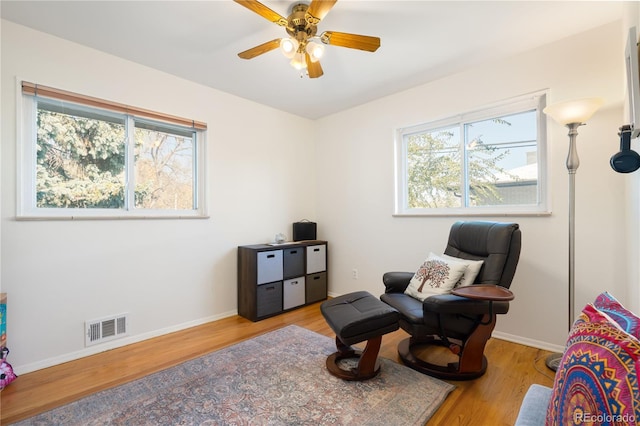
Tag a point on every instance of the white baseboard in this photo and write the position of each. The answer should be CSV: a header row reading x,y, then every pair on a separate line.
x,y
528,342
50,362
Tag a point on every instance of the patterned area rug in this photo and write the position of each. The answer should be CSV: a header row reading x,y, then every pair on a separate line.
x,y
278,378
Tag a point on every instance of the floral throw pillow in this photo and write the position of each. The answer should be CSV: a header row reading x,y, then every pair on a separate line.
x,y
597,379
436,275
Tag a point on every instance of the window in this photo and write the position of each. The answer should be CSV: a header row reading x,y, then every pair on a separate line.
x,y
482,163
88,158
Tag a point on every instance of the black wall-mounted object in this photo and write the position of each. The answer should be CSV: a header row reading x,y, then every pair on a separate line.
x,y
627,160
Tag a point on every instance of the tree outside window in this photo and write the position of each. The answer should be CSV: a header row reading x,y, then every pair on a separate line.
x,y
482,165
82,162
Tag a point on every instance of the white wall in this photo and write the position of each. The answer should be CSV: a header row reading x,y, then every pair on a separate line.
x,y
167,274
356,184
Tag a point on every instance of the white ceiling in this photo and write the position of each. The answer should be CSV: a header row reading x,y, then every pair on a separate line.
x,y
420,41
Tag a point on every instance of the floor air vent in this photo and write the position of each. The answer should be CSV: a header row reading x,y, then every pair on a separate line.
x,y
105,329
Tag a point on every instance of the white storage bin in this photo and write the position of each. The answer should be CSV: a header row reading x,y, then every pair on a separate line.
x,y
293,293
316,259
269,266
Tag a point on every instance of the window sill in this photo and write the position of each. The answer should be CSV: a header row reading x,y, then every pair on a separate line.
x,y
470,213
114,217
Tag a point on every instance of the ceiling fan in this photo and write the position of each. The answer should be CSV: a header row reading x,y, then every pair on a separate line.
x,y
304,47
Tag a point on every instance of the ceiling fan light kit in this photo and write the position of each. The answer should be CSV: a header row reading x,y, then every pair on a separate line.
x,y
315,51
289,47
299,61
303,47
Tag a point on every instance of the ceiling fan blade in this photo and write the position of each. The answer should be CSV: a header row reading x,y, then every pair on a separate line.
x,y
313,68
259,50
318,9
264,11
352,41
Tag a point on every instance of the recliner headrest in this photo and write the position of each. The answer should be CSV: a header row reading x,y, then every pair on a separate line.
x,y
497,243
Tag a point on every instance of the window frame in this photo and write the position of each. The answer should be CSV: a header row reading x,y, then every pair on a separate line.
x,y
516,105
26,133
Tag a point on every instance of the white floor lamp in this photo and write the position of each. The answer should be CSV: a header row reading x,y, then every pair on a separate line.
x,y
572,114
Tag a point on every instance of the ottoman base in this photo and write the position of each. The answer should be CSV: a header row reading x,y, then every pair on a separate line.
x,y
358,317
367,367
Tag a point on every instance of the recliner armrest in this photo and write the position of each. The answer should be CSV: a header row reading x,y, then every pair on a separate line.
x,y
452,304
396,282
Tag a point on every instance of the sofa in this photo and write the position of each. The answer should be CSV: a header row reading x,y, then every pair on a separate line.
x,y
596,381
533,410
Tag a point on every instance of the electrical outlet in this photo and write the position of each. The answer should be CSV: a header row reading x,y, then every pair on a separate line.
x,y
354,274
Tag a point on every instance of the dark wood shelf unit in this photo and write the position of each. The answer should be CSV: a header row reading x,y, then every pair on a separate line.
x,y
273,279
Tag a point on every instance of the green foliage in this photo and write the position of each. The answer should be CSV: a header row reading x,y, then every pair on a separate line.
x,y
435,171
80,162
103,192
432,164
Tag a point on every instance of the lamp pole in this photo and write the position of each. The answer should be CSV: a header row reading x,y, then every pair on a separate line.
x,y
572,114
572,165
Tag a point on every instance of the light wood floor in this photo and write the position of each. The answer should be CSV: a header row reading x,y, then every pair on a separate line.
x,y
493,399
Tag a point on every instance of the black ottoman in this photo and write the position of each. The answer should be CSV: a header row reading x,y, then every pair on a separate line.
x,y
356,317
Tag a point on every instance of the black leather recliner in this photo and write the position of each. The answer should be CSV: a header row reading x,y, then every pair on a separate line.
x,y
462,324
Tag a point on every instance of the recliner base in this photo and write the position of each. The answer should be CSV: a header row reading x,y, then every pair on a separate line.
x,y
451,371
